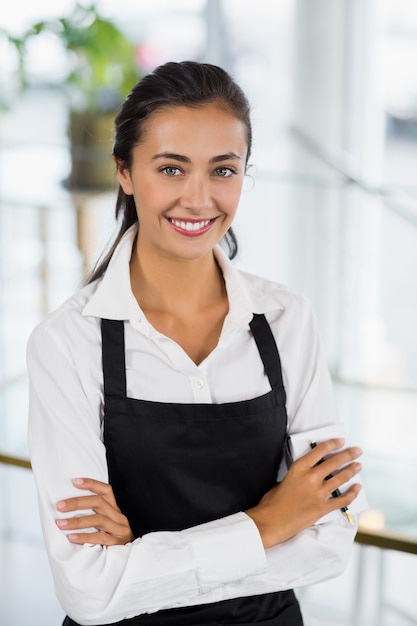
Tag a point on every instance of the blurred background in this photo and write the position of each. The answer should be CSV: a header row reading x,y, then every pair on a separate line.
x,y
329,207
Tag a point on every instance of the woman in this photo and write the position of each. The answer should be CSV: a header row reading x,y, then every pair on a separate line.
x,y
158,407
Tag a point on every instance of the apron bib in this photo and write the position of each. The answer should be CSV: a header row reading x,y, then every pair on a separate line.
x,y
162,457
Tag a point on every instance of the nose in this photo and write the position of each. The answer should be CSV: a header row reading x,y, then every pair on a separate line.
x,y
196,194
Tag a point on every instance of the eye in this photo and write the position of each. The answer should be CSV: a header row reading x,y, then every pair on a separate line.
x,y
224,172
171,170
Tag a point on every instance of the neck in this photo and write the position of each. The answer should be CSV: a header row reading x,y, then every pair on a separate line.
x,y
174,285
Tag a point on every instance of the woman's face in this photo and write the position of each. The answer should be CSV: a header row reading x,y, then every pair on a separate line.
x,y
186,179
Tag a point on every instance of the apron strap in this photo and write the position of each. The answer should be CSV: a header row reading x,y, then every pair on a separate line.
x,y
113,353
268,350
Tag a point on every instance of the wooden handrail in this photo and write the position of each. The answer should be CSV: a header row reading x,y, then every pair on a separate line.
x,y
387,540
14,460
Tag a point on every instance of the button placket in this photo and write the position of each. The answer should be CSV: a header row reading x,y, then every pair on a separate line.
x,y
200,388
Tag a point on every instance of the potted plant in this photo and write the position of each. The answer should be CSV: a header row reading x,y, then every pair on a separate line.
x,y
101,71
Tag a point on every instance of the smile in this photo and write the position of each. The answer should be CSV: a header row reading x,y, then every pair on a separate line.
x,y
191,228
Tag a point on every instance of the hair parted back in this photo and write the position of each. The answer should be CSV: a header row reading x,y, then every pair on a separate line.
x,y
186,83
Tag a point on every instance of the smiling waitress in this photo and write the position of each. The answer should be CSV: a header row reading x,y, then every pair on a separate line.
x,y
158,404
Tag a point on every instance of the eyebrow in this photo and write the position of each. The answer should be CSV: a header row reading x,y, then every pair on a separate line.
x,y
229,156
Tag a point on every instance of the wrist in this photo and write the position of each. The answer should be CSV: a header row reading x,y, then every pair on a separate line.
x,y
264,529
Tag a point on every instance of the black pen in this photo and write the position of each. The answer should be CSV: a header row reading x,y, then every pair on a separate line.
x,y
336,493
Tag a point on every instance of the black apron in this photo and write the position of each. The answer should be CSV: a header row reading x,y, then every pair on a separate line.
x,y
173,466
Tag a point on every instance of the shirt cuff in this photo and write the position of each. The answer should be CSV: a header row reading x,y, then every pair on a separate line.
x,y
226,550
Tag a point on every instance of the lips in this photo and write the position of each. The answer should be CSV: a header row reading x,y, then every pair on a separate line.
x,y
191,227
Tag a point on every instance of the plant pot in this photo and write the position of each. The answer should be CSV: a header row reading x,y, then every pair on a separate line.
x,y
91,136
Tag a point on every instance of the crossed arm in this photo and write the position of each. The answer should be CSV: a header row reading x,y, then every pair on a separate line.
x,y
303,496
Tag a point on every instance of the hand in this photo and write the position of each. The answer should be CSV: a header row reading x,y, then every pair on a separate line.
x,y
112,526
304,495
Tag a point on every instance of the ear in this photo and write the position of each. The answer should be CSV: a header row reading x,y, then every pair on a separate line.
x,y
123,176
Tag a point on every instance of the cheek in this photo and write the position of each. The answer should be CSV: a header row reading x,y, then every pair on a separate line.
x,y
152,199
151,202
144,191
233,198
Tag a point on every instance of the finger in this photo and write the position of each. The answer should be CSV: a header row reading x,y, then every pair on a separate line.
x,y
95,503
97,487
345,500
336,461
322,450
100,522
98,538
342,477
81,503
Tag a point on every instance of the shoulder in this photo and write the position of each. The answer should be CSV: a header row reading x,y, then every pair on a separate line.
x,y
268,296
67,327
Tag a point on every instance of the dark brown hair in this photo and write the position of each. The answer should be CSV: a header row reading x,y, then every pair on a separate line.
x,y
188,84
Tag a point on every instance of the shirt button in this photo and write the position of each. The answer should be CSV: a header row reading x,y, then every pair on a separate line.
x,y
198,383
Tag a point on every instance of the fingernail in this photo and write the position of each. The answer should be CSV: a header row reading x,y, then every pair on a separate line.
x,y
62,522
78,481
73,537
61,505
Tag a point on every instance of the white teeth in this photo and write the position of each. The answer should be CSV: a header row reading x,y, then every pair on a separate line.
x,y
190,226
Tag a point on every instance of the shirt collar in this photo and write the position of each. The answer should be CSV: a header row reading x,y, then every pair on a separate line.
x,y
113,297
248,294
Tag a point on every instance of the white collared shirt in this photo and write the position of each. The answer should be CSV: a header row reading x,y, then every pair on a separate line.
x,y
210,562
